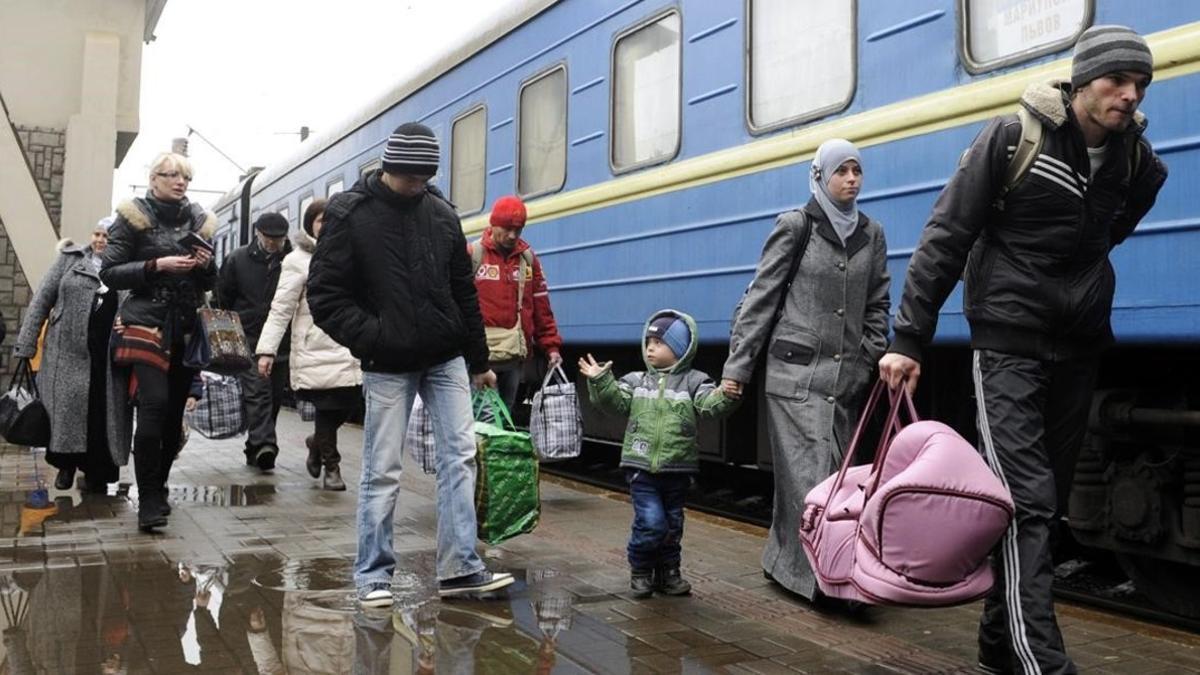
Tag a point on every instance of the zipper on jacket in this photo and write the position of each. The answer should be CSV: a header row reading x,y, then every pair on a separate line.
x,y
656,457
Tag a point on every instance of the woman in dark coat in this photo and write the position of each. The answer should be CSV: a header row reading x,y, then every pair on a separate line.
x,y
78,312
822,333
166,279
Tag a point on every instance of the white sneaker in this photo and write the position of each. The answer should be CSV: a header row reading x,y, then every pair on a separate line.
x,y
380,597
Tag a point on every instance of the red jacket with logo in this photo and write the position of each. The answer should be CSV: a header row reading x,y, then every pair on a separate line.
x,y
496,283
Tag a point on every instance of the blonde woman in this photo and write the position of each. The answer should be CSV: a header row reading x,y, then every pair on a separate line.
x,y
152,254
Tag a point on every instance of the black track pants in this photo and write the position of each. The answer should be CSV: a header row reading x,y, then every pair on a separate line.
x,y
1032,419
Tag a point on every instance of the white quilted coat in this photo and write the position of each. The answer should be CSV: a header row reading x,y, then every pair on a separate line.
x,y
317,362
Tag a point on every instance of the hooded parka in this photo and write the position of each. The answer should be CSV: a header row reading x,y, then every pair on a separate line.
x,y
663,407
317,362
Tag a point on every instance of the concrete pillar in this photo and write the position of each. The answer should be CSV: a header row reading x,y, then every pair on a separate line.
x,y
92,139
22,209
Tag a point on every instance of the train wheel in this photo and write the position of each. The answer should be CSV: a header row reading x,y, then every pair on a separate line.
x,y
1169,585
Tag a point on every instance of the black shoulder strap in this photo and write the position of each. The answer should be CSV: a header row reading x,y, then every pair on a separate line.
x,y
803,235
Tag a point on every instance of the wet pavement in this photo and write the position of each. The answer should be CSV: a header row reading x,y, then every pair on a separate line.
x,y
253,576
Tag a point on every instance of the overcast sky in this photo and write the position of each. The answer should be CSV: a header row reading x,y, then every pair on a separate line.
x,y
248,73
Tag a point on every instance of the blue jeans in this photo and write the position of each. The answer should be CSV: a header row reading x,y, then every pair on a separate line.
x,y
389,399
657,533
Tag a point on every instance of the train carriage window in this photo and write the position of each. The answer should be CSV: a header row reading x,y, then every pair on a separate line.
x,y
996,33
542,133
468,139
646,93
801,60
286,213
370,166
334,187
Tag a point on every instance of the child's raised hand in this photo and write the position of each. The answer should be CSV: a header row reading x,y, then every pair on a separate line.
x,y
590,368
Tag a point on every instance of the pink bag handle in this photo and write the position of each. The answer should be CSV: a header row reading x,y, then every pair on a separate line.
x,y
890,429
901,399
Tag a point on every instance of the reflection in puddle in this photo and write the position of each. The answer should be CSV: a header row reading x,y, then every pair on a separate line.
x,y
290,617
223,495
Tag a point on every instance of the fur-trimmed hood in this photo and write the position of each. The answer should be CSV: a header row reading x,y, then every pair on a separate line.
x,y
136,212
1049,101
302,241
68,245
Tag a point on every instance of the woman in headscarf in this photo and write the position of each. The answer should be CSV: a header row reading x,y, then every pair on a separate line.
x,y
156,251
818,311
322,371
77,310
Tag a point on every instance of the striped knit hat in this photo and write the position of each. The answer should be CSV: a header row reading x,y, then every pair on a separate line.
x,y
1107,49
413,149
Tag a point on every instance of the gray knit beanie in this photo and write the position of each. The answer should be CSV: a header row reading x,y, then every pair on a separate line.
x,y
1107,49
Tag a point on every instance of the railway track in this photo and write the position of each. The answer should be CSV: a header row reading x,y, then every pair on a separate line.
x,y
1084,576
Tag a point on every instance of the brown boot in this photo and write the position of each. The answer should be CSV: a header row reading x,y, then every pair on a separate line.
x,y
333,480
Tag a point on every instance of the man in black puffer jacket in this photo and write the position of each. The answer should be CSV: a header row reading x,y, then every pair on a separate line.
x,y
1038,297
247,285
392,281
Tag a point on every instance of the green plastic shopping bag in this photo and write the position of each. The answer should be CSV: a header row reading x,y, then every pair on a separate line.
x,y
507,501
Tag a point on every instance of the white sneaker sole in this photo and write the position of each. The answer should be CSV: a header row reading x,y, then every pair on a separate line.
x,y
373,600
499,580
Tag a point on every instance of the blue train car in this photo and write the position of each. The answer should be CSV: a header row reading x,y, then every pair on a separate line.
x,y
655,142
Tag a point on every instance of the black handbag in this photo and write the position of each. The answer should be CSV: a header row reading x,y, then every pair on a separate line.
x,y
23,417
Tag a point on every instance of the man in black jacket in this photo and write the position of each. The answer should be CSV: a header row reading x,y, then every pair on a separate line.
x,y
247,286
392,281
1038,297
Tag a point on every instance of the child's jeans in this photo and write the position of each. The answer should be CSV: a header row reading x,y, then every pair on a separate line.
x,y
657,518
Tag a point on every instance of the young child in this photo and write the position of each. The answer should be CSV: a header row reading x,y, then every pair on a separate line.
x,y
660,453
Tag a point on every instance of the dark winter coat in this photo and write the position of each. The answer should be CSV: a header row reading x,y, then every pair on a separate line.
x,y
65,300
247,283
392,280
1038,281
138,236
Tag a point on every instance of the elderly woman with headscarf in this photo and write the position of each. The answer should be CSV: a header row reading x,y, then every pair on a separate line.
x,y
77,310
159,251
818,311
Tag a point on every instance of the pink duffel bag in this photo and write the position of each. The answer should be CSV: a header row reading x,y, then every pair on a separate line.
x,y
912,528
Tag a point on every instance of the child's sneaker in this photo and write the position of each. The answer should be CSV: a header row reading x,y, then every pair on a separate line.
x,y
642,583
670,582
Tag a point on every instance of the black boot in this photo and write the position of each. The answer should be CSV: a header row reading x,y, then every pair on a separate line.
x,y
642,583
65,479
669,581
147,467
313,462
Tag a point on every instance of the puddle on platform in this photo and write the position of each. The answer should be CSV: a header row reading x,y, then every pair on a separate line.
x,y
280,617
223,495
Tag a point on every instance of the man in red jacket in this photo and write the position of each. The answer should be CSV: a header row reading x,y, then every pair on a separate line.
x,y
501,258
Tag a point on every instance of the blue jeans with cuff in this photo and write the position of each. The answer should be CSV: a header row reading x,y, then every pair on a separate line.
x,y
446,391
657,533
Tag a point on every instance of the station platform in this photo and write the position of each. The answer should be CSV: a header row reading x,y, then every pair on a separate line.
x,y
253,576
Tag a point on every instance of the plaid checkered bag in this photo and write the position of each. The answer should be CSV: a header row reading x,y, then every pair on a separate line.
x,y
218,414
307,410
555,423
419,437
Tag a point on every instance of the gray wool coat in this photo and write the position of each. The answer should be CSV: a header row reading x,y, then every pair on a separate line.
x,y
65,298
821,356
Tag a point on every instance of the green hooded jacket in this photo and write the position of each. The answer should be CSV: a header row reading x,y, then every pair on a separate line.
x,y
662,406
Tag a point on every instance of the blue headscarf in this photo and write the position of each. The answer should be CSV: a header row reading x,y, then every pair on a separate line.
x,y
832,154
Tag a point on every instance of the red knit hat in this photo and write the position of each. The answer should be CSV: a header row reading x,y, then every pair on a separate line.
x,y
508,211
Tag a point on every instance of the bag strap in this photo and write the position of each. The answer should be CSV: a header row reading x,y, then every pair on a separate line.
x,y
1028,147
550,376
805,234
890,429
521,287
901,400
490,398
23,377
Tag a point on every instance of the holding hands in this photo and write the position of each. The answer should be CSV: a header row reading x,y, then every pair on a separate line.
x,y
731,388
591,369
